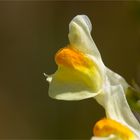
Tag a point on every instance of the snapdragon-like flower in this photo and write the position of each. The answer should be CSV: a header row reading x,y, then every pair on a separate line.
x,y
82,74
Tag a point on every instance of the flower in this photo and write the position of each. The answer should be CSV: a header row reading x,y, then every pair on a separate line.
x,y
82,74
112,129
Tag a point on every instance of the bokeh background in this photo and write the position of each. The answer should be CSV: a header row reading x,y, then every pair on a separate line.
x,y
30,35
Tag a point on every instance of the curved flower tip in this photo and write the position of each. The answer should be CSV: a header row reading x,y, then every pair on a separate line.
x,y
48,77
80,35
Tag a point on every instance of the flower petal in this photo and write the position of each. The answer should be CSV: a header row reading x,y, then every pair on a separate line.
x,y
116,79
79,35
117,108
111,137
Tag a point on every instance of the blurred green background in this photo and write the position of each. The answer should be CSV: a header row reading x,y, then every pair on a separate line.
x,y
30,34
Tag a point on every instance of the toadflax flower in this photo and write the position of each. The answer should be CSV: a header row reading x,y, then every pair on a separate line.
x,y
82,74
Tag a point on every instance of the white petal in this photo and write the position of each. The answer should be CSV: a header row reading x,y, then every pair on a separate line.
x,y
111,137
118,109
79,35
116,79
73,85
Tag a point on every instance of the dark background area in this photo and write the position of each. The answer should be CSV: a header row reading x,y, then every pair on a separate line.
x,y
30,35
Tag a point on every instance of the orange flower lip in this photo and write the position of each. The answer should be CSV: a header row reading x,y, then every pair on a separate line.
x,y
72,58
106,127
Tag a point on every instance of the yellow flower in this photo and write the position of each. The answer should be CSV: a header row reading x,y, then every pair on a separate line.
x,y
82,74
